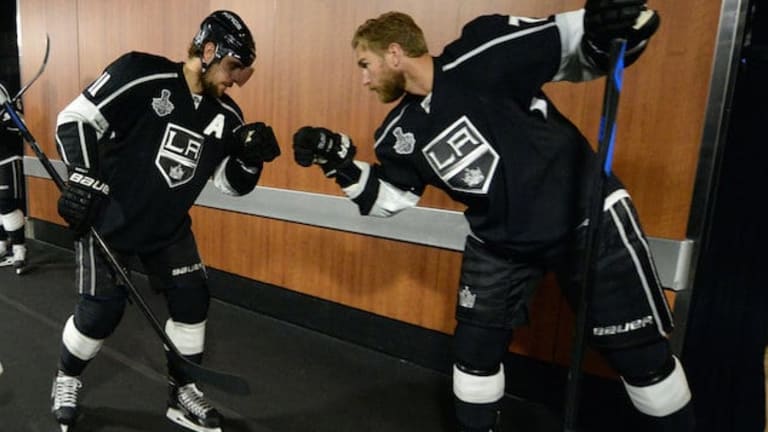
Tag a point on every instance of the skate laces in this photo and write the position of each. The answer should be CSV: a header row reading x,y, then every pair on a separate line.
x,y
65,389
192,399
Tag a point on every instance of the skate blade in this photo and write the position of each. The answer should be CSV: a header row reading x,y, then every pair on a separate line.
x,y
178,417
7,261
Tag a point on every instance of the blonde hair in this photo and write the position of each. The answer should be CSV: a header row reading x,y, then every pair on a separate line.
x,y
376,34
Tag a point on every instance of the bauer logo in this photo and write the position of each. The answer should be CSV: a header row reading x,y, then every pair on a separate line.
x,y
178,155
623,328
462,157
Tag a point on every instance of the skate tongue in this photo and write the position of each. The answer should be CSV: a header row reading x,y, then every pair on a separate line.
x,y
64,428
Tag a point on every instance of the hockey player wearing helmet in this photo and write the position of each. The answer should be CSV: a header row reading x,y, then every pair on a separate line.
x,y
475,123
13,249
140,143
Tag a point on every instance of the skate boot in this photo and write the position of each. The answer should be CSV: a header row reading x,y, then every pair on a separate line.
x,y
64,399
188,408
19,258
6,258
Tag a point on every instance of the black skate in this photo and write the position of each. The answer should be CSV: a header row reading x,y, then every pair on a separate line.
x,y
188,408
64,399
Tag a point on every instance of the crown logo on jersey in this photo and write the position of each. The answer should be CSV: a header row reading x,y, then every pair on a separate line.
x,y
466,298
473,177
176,173
163,105
404,142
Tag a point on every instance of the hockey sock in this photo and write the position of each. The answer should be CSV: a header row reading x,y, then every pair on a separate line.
x,y
478,397
77,349
13,224
189,339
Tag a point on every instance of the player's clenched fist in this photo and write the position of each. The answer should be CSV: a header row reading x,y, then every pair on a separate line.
x,y
323,147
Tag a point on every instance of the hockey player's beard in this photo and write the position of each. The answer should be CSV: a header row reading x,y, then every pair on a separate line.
x,y
210,88
392,86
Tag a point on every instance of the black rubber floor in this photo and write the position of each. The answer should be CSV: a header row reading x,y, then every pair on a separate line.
x,y
301,380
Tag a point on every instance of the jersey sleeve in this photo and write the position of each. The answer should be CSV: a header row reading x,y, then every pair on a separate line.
x,y
378,194
518,55
231,176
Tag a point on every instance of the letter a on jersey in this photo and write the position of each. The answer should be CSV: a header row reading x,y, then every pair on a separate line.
x,y
178,155
462,157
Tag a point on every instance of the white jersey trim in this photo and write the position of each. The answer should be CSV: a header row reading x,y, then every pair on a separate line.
x,y
622,230
220,179
354,191
493,42
230,108
392,200
574,65
10,159
134,83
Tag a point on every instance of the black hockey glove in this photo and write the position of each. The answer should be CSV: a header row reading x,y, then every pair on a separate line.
x,y
334,152
259,144
81,198
605,20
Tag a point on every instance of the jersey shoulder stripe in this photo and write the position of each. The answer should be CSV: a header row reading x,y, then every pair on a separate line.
x,y
514,33
128,71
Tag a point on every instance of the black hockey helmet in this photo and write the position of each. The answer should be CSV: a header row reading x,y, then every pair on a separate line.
x,y
230,34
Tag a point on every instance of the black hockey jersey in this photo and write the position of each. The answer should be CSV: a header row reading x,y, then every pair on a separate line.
x,y
489,137
138,129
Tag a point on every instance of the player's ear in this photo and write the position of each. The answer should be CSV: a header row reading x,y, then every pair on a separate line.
x,y
209,52
394,54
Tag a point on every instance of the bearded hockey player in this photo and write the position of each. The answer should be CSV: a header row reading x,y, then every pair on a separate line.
x,y
140,143
13,249
475,123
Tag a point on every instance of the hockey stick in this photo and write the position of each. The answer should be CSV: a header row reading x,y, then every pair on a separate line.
x,y
231,383
605,146
39,71
20,93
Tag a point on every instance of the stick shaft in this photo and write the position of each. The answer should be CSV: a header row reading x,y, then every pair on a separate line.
x,y
606,141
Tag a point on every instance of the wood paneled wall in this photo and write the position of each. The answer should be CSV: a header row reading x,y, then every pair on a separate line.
x,y
306,74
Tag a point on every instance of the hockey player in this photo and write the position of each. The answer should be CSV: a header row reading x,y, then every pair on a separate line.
x,y
475,123
13,249
140,143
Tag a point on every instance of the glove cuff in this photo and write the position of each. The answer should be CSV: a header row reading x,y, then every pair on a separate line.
x,y
80,178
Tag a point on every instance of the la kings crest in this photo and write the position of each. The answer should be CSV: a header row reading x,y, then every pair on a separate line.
x,y
462,157
179,154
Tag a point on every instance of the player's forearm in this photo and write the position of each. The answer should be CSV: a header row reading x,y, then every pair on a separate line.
x,y
377,197
78,129
232,178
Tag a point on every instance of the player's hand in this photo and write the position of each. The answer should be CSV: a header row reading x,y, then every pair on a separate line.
x,y
323,147
605,20
258,144
81,198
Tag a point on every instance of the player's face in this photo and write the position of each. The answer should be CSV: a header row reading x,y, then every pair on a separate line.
x,y
378,76
221,75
